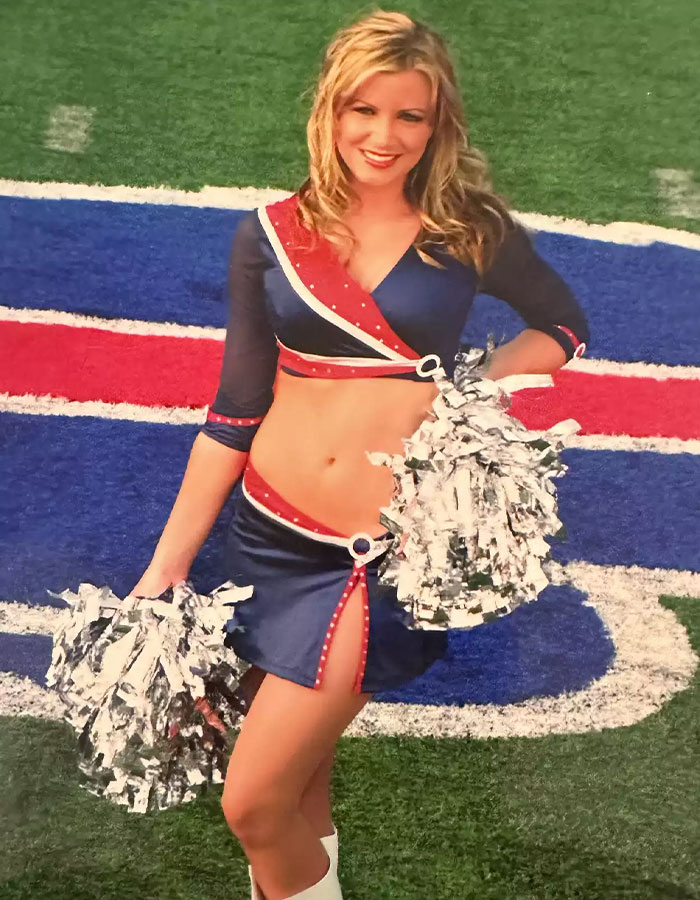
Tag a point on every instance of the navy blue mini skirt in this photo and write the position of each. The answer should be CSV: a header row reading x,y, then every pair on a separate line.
x,y
302,573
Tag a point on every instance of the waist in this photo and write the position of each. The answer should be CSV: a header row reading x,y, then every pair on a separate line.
x,y
312,444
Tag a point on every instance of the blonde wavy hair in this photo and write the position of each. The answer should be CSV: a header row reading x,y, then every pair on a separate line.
x,y
449,187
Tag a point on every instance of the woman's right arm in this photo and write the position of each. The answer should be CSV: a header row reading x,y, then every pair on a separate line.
x,y
244,395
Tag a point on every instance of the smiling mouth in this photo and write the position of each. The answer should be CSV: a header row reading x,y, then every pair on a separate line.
x,y
379,157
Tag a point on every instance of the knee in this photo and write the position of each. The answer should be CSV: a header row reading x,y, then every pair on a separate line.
x,y
254,819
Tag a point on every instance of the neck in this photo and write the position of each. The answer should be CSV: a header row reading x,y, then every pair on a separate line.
x,y
383,201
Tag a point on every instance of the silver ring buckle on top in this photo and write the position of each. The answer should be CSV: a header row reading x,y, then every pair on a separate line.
x,y
431,372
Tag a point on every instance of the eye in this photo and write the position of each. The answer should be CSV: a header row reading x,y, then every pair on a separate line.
x,y
411,117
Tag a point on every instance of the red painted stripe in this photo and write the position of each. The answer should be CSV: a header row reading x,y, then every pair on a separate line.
x,y
614,404
94,364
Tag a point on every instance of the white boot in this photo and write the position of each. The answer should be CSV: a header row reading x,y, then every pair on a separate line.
x,y
329,841
328,888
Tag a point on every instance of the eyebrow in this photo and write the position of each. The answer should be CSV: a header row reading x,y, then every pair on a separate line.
x,y
408,109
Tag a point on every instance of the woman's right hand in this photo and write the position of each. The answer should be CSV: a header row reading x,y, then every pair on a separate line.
x,y
155,581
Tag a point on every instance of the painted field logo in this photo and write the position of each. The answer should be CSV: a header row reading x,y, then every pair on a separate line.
x,y
107,374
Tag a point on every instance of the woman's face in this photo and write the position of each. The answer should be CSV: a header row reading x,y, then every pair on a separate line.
x,y
389,114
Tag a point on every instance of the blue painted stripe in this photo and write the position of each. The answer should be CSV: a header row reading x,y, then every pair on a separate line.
x,y
630,508
168,264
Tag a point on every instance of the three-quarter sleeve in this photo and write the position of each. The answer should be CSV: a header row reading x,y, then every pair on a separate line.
x,y
250,356
530,285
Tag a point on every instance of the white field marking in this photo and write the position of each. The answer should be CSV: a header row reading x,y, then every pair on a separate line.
x,y
251,197
633,444
630,369
22,618
173,329
654,660
69,128
679,192
119,326
21,696
46,405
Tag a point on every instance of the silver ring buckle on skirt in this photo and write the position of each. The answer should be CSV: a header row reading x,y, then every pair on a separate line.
x,y
376,546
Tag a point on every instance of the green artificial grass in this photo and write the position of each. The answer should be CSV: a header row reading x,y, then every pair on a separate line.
x,y
600,816
574,103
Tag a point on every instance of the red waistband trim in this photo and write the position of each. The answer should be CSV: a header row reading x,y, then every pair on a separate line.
x,y
268,497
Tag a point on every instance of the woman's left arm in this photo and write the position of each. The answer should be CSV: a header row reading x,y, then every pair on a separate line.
x,y
557,327
531,351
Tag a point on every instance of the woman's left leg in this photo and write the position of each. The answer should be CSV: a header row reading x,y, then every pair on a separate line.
x,y
315,801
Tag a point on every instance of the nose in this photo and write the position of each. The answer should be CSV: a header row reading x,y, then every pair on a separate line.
x,y
383,134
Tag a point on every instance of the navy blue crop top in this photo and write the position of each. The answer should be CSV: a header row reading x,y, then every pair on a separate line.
x,y
301,311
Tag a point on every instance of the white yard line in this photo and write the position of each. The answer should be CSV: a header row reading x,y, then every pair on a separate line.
x,y
68,130
46,405
250,197
119,326
680,193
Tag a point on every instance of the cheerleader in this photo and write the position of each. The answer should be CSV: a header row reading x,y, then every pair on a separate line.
x,y
348,300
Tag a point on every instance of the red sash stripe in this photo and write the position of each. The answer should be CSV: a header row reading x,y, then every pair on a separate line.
x,y
329,283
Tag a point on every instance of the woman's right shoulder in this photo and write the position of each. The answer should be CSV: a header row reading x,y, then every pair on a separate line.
x,y
248,230
252,236
249,241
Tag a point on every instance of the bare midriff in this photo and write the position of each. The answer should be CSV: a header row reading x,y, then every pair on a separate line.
x,y
311,446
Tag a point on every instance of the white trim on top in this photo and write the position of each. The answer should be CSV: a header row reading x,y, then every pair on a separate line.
x,y
349,362
315,304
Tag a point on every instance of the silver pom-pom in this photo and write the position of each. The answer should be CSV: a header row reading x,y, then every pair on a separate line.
x,y
149,690
473,500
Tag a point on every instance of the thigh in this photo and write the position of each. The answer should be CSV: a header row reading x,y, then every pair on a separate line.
x,y
290,728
